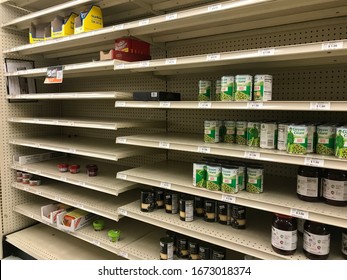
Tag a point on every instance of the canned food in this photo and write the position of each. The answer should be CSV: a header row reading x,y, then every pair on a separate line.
x,y
341,142
186,209
26,175
255,179
34,182
268,135
253,134
210,209
228,83
241,132
147,200
158,197
204,251
212,129
282,136
198,206
213,177
166,248
182,247
218,93
199,174
243,88
262,87
63,167
193,248
311,138
171,203
325,139
204,91
230,131
297,138
230,179
218,253
238,216
74,168
92,170
224,213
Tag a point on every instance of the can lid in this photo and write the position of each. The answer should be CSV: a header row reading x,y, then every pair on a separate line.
x,y
166,240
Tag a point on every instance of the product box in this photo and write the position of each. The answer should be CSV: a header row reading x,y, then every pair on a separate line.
x,y
20,159
156,96
107,55
88,20
50,212
125,56
48,33
61,27
130,45
74,220
38,32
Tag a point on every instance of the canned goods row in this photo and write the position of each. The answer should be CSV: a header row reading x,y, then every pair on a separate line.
x,y
228,176
238,88
185,247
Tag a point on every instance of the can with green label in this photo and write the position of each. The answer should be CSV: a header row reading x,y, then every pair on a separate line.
x,y
243,88
230,131
229,179
212,130
268,135
241,132
341,142
218,93
262,87
228,84
199,174
253,134
255,179
326,134
311,138
297,139
204,91
213,177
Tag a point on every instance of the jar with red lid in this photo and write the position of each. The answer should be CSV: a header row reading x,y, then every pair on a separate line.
x,y
284,235
335,187
74,168
63,167
316,240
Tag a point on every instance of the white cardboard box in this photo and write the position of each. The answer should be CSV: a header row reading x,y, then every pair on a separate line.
x,y
20,159
49,212
82,219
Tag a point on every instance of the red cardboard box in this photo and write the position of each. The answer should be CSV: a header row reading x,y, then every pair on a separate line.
x,y
126,56
131,45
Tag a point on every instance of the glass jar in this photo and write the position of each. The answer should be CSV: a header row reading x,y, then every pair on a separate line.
x,y
308,186
335,187
316,240
284,235
344,243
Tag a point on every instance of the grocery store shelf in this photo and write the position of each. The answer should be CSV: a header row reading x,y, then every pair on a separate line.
x,y
131,230
45,243
200,19
92,147
279,194
73,96
92,201
195,144
108,124
237,105
255,240
104,182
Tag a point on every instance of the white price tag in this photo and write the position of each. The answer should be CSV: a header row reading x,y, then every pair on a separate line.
x,y
204,150
80,206
72,151
314,162
121,176
120,103
71,123
37,145
165,104
37,172
265,52
228,198
213,56
332,45
122,212
121,140
324,106
118,27
123,254
31,216
120,66
299,213
96,242
82,184
165,185
38,193
144,64
64,179
171,16
57,199
26,189
171,61
164,145
143,22
255,105
252,155
205,105
215,7
36,120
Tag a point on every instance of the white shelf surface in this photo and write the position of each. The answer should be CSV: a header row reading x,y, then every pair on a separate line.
x,y
238,105
73,95
279,194
199,19
92,147
195,144
255,240
46,243
104,182
107,124
92,201
131,230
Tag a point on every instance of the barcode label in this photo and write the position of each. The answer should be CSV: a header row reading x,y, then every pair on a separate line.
x,y
171,61
164,104
121,176
252,155
57,198
165,185
164,145
299,213
144,22
123,254
72,151
118,27
332,45
314,162
121,140
96,242
120,66
80,206
171,16
265,52
255,105
144,63
205,105
213,57
204,150
64,179
228,198
120,103
122,212
215,7
325,106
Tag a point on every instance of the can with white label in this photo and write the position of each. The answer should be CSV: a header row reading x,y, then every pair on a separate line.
x,y
262,87
268,135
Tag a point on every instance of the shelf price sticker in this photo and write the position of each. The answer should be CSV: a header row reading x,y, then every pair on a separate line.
x,y
123,254
96,242
314,162
144,64
143,22
122,212
80,206
121,176
252,155
64,179
165,104
332,45
171,16
171,61
118,27
164,145
213,57
119,66
82,184
165,185
57,198
266,52
204,150
255,105
121,103
54,75
299,213
38,192
213,8
72,151
121,140
228,198
324,106
204,105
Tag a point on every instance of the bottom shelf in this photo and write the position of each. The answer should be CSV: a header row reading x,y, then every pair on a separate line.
x,y
46,243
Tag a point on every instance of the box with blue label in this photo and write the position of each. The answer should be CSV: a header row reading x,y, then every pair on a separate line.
x,y
89,20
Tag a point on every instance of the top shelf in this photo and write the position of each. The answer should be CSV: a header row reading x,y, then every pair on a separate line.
x,y
206,20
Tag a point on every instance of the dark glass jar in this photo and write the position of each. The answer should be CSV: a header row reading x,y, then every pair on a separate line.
x,y
316,240
166,248
344,243
284,235
238,216
210,210
186,208
193,248
224,213
205,251
198,206
182,247
171,203
334,190
159,198
147,200
308,187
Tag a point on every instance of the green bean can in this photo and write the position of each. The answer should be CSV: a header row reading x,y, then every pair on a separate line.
x,y
262,87
268,135
230,130
325,139
230,179
241,133
218,93
212,130
241,176
228,84
311,138
199,174
222,130
243,88
341,142
282,136
204,91
213,177
255,179
253,134
297,139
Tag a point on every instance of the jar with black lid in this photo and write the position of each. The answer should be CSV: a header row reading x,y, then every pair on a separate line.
x,y
182,247
316,240
166,248
147,200
238,216
171,203
210,210
284,236
335,187
308,186
198,206
193,248
186,208
224,213
344,243
159,198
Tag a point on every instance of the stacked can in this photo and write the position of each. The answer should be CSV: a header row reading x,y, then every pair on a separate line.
x,y
243,88
326,134
268,135
253,134
262,88
204,91
227,88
